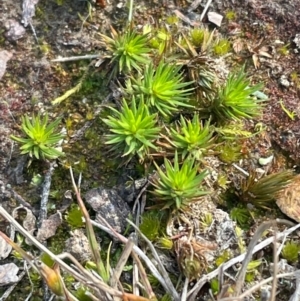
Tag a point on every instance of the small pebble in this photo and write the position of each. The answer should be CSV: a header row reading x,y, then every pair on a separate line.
x,y
15,30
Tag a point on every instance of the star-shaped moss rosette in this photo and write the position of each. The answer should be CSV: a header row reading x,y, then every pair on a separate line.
x,y
191,137
177,186
132,129
235,100
163,88
41,138
127,50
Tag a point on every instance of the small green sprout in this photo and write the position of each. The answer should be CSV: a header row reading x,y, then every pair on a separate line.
x,y
252,270
172,19
295,79
178,186
223,181
290,251
162,87
133,129
253,265
214,285
164,243
284,50
230,15
225,256
42,139
200,38
206,220
291,114
222,47
240,241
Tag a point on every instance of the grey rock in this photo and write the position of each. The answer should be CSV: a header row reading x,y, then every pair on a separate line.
x,y
15,30
297,40
108,204
283,81
5,56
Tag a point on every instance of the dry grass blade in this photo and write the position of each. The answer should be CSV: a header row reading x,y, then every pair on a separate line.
x,y
121,263
81,278
91,234
139,252
170,288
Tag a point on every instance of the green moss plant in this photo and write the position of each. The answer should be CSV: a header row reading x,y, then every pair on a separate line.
x,y
241,215
191,137
127,50
201,38
284,50
197,36
222,47
230,152
290,251
132,129
164,243
74,217
41,137
150,225
178,186
223,257
230,15
163,88
235,100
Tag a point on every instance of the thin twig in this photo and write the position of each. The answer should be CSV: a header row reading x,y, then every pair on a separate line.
x,y
130,14
90,233
242,273
144,277
76,58
205,9
121,263
184,290
296,294
275,268
26,268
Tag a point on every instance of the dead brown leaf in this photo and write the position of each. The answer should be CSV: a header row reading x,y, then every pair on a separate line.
x,y
238,45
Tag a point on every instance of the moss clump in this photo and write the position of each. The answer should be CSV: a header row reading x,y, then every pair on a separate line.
x,y
222,47
284,50
150,225
230,152
197,36
230,15
290,251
